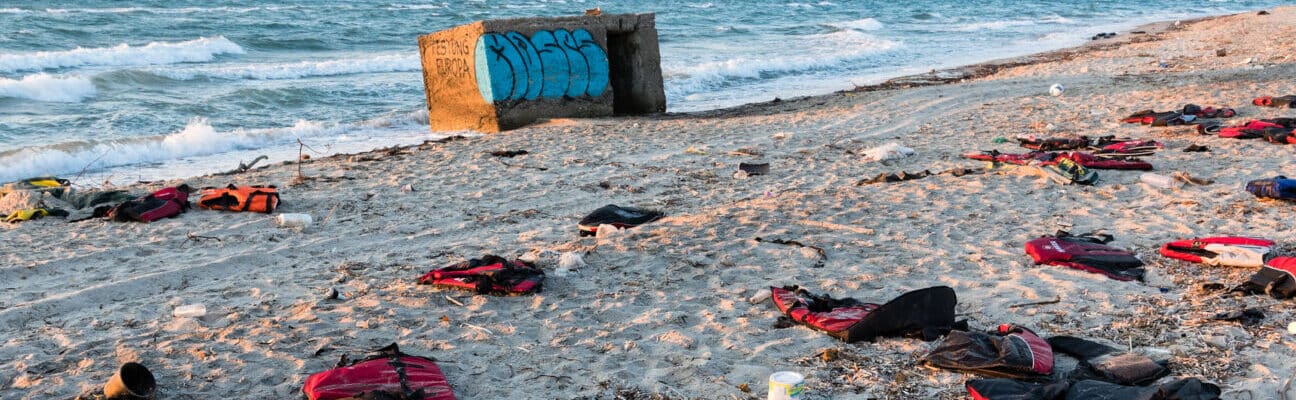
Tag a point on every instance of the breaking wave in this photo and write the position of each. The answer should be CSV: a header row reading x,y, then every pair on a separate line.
x,y
46,87
198,50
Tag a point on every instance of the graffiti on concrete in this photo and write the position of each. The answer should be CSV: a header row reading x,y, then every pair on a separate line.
x,y
549,64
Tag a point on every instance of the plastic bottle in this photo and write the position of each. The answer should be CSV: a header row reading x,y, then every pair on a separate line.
x,y
191,311
294,220
1157,180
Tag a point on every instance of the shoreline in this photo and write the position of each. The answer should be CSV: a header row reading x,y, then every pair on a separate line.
x,y
672,309
936,77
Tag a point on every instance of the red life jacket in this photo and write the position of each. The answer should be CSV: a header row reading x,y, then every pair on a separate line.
x,y
1277,279
1010,350
488,275
389,371
1222,251
928,313
1087,253
165,203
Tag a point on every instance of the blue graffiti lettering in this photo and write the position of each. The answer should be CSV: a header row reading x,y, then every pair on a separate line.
x,y
549,64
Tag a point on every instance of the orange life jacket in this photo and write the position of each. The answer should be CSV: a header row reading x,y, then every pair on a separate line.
x,y
261,199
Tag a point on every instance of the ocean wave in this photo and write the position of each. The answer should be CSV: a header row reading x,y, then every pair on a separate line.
x,y
703,5
46,87
866,24
198,50
999,25
376,64
696,77
416,6
12,10
199,138
161,10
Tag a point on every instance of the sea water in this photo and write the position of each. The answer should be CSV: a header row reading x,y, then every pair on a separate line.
x,y
124,91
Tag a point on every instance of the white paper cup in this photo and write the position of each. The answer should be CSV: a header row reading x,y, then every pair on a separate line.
x,y
294,220
786,385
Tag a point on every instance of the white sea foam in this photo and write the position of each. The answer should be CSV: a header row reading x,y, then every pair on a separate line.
x,y
11,10
396,62
198,50
702,76
703,5
415,6
866,24
197,139
46,87
999,25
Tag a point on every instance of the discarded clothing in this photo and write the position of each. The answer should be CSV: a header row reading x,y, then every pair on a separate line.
x,y
1208,112
1226,251
907,176
52,185
1043,157
1012,389
1105,363
1188,114
1276,130
1246,317
1281,101
926,313
1277,279
620,217
165,203
1008,389
33,213
1052,144
388,372
1278,187
1009,351
1086,253
1154,118
262,199
488,275
1066,171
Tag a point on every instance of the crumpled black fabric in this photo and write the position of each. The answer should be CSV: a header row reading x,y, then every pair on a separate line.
x,y
1104,363
907,176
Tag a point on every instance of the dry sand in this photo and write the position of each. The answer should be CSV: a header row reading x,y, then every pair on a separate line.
x,y
662,311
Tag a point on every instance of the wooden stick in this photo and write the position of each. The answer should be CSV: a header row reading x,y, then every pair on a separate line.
x,y
1056,300
456,302
488,331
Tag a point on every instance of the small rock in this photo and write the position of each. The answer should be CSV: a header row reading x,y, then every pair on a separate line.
x,y
744,388
407,188
1236,334
700,260
740,175
331,294
1217,341
1221,53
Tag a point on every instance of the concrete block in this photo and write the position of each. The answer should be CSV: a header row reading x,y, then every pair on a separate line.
x,y
497,75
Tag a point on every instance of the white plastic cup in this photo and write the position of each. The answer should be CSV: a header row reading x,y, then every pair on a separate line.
x,y
1157,180
191,311
294,220
786,385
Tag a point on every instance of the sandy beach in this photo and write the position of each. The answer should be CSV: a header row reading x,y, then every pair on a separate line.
x,y
664,311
